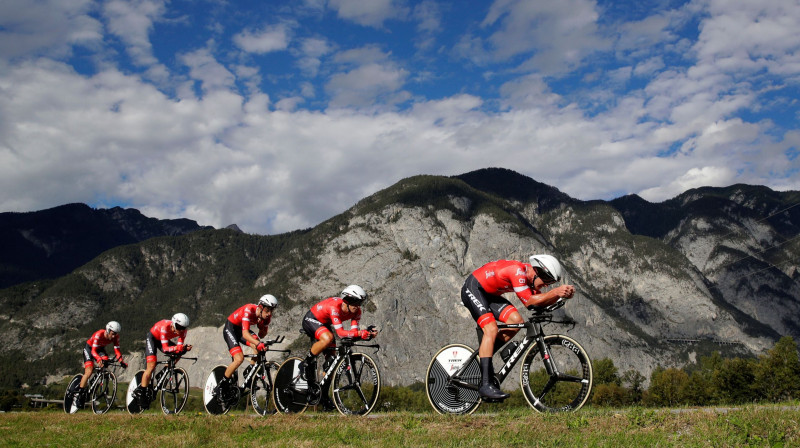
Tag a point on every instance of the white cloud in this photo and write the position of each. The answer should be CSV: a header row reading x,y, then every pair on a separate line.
x,y
132,21
48,27
232,143
528,28
269,39
369,13
709,176
205,68
365,85
310,55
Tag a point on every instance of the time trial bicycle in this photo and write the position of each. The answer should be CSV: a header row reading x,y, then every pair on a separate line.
x,y
101,389
556,373
258,381
350,379
171,381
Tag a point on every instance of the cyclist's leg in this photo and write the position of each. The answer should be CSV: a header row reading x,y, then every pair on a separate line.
x,y
233,335
324,339
479,304
148,372
88,366
508,315
150,347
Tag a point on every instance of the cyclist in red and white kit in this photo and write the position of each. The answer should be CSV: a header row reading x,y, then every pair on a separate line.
x,y
239,329
159,338
328,316
481,294
94,351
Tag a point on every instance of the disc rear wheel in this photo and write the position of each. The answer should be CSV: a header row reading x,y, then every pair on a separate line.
x,y
445,396
69,394
291,392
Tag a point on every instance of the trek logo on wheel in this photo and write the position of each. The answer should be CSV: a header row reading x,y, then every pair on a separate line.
x,y
451,361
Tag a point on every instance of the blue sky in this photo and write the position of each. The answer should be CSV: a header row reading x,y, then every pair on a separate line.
x,y
276,115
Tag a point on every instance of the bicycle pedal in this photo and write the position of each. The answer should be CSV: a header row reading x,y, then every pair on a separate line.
x,y
493,400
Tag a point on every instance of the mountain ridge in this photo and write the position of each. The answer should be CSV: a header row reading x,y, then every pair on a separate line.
x,y
52,242
411,246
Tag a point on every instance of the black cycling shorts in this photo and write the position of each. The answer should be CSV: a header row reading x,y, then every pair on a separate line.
x,y
485,308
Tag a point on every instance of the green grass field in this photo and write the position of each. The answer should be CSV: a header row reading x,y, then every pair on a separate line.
x,y
743,426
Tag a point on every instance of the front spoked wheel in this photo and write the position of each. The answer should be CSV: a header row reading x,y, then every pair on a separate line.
x,y
261,386
567,388
291,392
445,396
357,385
104,392
175,392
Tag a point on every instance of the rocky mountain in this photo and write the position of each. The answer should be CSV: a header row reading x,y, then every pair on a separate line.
x,y
51,243
658,284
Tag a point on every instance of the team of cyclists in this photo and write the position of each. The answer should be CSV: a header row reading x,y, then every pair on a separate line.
x,y
249,324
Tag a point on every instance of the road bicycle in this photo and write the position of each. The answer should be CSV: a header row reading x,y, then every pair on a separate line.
x,y
171,381
101,389
556,373
258,381
351,379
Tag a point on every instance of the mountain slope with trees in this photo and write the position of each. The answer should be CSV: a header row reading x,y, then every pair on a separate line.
x,y
645,300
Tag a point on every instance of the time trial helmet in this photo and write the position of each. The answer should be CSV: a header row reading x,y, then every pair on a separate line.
x,y
180,320
268,300
114,326
354,295
547,268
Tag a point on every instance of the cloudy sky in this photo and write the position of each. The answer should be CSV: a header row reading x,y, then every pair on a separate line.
x,y
276,115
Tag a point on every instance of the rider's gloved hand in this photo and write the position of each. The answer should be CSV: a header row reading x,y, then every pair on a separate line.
x,y
365,335
261,346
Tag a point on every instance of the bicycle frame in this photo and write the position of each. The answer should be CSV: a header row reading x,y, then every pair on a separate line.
x,y
163,375
534,334
343,351
98,372
261,359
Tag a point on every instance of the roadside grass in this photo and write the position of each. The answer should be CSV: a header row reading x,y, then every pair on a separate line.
x,y
763,425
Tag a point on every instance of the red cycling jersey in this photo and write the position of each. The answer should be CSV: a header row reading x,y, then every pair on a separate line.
x,y
329,311
99,339
246,316
163,331
504,276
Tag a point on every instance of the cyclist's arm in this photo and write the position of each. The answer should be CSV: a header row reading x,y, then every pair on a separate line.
x,y
117,351
549,297
353,332
251,339
95,345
